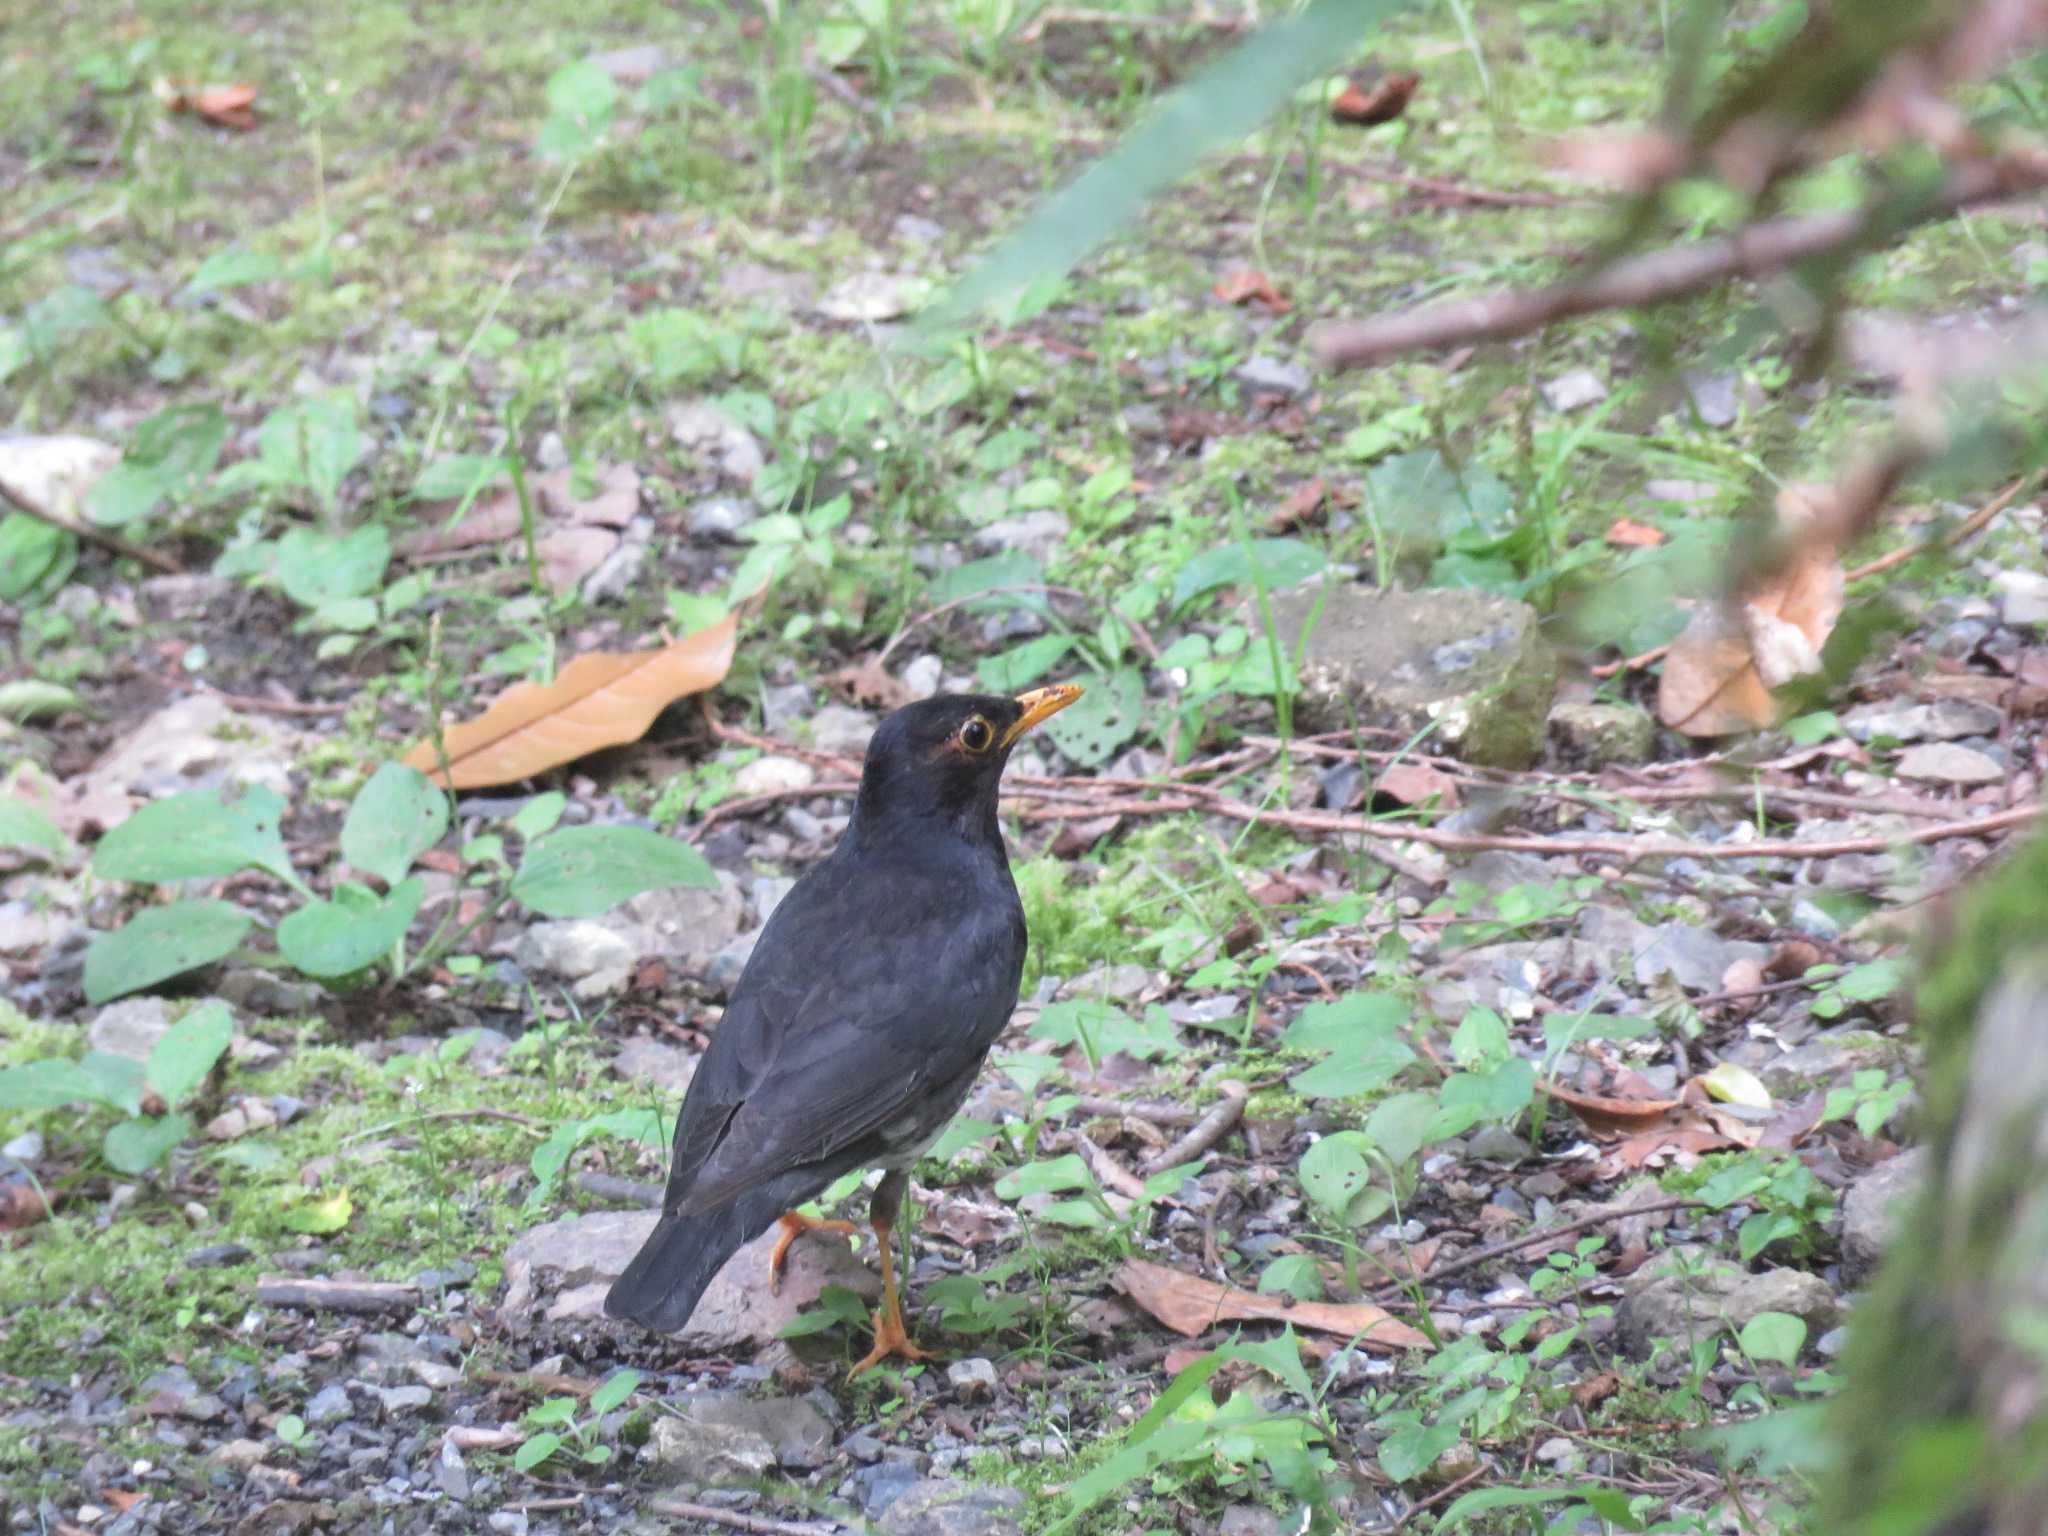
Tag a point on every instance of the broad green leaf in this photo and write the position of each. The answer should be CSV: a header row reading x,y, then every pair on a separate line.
x,y
1733,1083
117,1081
233,267
1102,1029
395,818
1000,577
1485,1500
1218,107
1349,1073
612,1392
1279,1358
582,871
1049,1177
313,444
23,826
1399,1125
1774,1336
1353,1019
1134,1459
535,1450
30,698
186,1052
1481,1039
1276,562
1292,1274
1473,1098
353,931
319,569
1094,726
1021,666
30,551
1413,1449
159,943
538,816
329,1213
138,1145
48,1084
1335,1171
196,833
457,476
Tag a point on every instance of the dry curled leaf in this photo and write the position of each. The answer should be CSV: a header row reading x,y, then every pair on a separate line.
x,y
1304,504
1366,103
228,106
22,1204
602,699
1413,783
1626,534
868,685
1189,1304
1248,285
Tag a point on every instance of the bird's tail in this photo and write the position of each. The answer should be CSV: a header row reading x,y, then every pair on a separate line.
x,y
660,1288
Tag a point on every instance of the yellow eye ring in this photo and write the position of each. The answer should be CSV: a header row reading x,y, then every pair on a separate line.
x,y
976,734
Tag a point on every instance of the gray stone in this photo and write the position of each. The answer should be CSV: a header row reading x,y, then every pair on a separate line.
x,y
1574,391
768,892
749,282
719,518
1713,396
921,677
1275,374
218,1256
618,573
1685,493
685,925
714,1428
1590,736
868,298
1943,720
1040,533
1875,1208
715,438
683,1451
668,1067
1474,665
1659,1304
180,599
916,229
575,1260
582,951
724,969
882,1484
1497,1144
2022,596
402,1400
1828,1060
773,775
842,729
194,741
329,1405
1696,958
943,1507
27,928
1945,762
130,1027
1106,983
265,993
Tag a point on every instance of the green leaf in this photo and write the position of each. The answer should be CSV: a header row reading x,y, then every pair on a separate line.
x,y
1021,666
458,476
538,816
582,871
48,1084
313,445
1412,1449
160,943
198,833
1094,726
535,1450
1049,1177
318,1217
319,569
353,931
23,826
1485,1500
1356,1018
30,698
1472,1098
1346,1075
233,267
30,551
1481,1039
998,576
138,1145
1399,1125
1774,1336
117,1081
1279,1358
396,817
613,1391
1218,107
1278,562
1135,1459
1103,1029
1292,1274
581,100
186,1052
1335,1171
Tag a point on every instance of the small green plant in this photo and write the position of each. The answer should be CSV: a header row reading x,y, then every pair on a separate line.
x,y
292,1433
1870,1097
1870,982
396,818
145,1094
560,1430
1789,1204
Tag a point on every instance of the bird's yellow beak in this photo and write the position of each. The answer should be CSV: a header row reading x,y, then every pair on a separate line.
x,y
1041,704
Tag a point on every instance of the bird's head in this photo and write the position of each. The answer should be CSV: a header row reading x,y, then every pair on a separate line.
x,y
942,758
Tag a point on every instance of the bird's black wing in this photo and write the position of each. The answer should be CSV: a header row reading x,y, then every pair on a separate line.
x,y
869,989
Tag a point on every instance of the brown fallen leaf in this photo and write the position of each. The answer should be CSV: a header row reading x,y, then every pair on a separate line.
x,y
1248,285
1189,1304
1607,1116
491,519
1625,534
1075,838
1720,673
867,685
1595,1390
602,699
1367,103
21,1205
1302,505
228,106
567,555
1413,783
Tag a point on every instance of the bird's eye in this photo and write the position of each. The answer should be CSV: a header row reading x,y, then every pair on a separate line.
x,y
977,735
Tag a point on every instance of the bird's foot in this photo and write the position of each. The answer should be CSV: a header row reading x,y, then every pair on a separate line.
x,y
891,1340
794,1225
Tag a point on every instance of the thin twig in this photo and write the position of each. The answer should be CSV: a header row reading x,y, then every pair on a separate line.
x,y
1458,190
1134,1109
154,559
734,1520
1486,1255
1218,1123
526,1122
1658,276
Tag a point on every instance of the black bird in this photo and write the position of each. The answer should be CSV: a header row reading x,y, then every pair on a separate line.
x,y
862,1017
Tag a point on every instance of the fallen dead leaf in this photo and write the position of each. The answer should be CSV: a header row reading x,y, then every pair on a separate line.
x,y
491,519
602,699
1794,957
1248,285
567,555
228,106
1625,534
21,1205
1720,673
868,685
1302,505
1611,1116
1366,103
1413,783
1189,1304
1075,838
1595,1390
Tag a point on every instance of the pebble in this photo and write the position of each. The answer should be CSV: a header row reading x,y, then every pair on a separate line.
x,y
1947,762
773,775
329,1405
921,677
972,1377
1574,391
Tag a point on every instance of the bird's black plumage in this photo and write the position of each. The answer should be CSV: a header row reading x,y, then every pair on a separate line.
x,y
857,1028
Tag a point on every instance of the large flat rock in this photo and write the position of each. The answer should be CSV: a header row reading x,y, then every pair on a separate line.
x,y
1473,664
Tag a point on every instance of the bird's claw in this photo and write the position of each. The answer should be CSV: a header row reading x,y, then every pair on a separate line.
x,y
891,1340
795,1225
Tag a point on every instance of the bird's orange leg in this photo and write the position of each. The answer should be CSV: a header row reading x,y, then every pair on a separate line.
x,y
891,1338
794,1225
